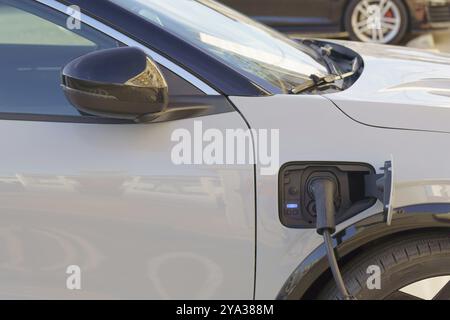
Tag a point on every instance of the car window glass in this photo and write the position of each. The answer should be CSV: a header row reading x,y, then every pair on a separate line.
x,y
243,44
20,27
35,45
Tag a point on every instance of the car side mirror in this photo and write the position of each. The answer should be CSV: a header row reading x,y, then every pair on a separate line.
x,y
121,83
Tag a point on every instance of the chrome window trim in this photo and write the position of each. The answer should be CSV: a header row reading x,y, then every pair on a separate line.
x,y
132,43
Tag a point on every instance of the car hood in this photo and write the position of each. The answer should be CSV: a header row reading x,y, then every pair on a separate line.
x,y
398,88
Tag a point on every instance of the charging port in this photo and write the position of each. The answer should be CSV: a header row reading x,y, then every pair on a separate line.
x,y
297,204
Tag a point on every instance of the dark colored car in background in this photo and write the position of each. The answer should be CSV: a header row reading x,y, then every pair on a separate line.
x,y
381,21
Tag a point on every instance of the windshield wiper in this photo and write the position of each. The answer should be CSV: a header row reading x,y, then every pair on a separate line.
x,y
317,81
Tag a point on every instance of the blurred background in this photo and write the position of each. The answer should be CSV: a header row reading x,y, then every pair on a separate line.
x,y
414,23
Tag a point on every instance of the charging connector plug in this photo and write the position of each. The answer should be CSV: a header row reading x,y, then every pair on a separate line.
x,y
323,190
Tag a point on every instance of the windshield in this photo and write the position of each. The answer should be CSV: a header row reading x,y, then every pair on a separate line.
x,y
243,44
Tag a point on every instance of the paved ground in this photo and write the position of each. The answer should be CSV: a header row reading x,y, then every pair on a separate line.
x,y
442,40
437,41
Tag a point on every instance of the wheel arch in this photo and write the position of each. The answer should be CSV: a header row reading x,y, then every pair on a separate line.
x,y
307,279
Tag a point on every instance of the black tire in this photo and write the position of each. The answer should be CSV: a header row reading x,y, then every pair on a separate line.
x,y
401,32
402,261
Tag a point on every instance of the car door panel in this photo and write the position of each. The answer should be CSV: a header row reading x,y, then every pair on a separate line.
x,y
107,198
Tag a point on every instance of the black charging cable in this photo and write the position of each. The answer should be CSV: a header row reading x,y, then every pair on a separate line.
x,y
323,190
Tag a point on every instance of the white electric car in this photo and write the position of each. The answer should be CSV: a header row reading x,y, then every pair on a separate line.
x,y
177,149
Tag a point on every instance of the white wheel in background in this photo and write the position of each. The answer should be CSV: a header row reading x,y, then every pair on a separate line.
x,y
378,21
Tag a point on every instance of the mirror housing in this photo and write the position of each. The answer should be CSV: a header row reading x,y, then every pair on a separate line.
x,y
121,83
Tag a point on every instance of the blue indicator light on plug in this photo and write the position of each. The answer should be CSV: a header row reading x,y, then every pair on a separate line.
x,y
292,206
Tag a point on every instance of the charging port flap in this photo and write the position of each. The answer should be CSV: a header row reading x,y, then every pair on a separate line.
x,y
381,186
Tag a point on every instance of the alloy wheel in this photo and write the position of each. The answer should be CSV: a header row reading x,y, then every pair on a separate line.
x,y
376,21
435,288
